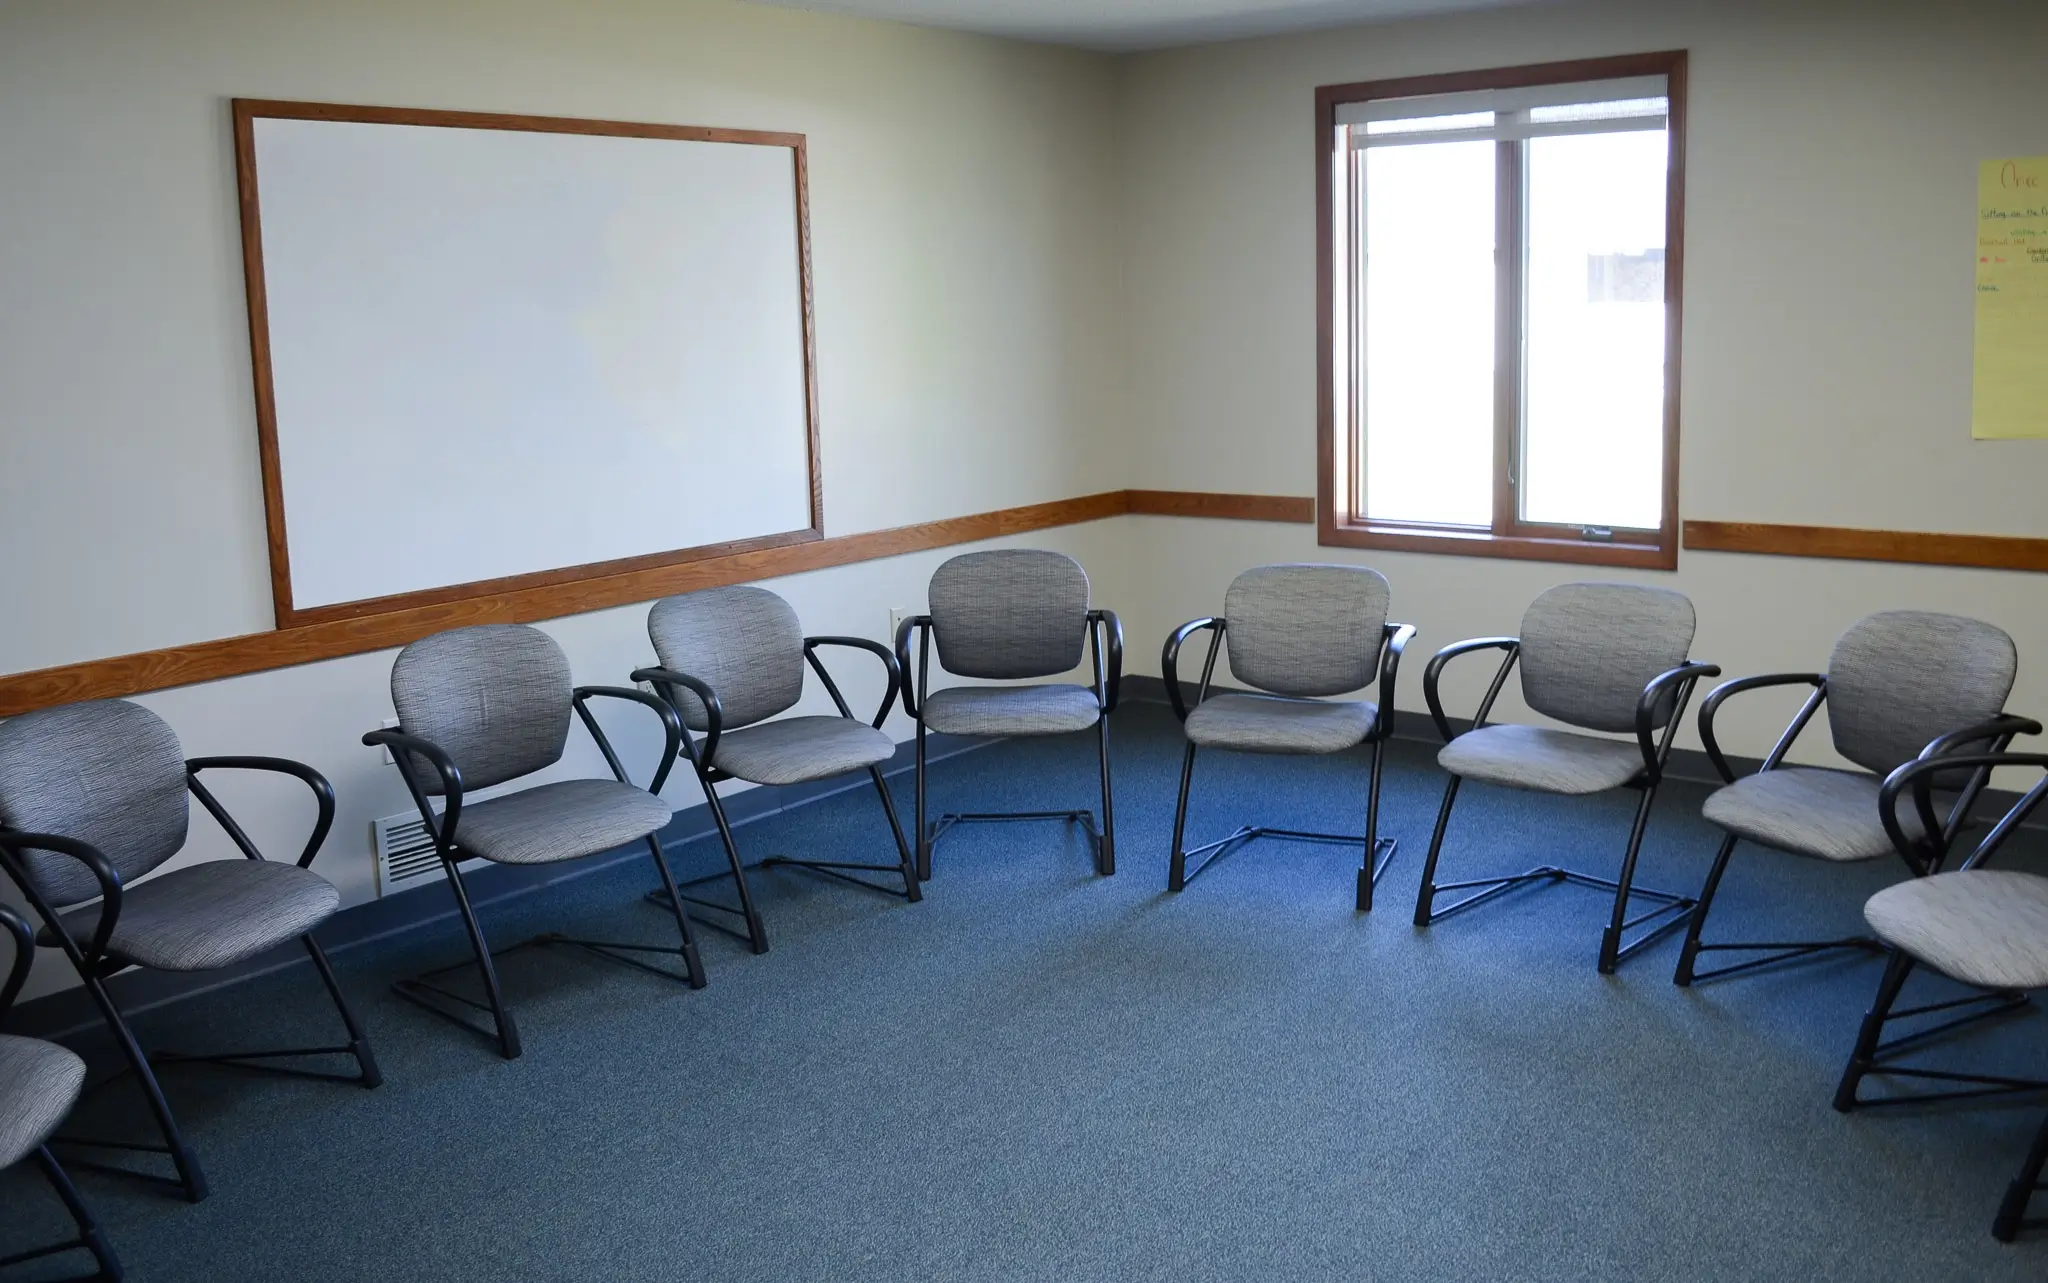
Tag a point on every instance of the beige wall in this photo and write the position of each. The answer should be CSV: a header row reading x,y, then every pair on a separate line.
x,y
965,247
1831,172
963,221
1039,274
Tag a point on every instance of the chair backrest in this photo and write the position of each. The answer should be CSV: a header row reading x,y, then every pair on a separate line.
x,y
1902,678
1306,630
110,773
745,641
1589,649
1011,612
495,697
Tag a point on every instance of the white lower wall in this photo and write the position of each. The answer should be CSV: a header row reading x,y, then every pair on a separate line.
x,y
1039,274
317,713
964,244
1747,619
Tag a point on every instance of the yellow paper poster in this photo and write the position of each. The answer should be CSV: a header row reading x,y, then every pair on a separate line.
x,y
2009,384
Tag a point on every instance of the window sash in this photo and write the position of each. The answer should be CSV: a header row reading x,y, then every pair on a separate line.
x,y
1512,130
1503,101
1340,521
1511,214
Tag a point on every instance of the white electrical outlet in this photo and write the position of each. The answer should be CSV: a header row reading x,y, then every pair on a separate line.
x,y
897,614
389,724
645,685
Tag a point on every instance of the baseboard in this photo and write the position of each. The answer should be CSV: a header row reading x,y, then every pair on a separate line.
x,y
68,1014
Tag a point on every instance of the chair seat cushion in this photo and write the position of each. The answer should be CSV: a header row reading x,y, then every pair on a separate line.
x,y
210,915
565,820
1830,815
796,749
1542,759
39,1082
1271,724
1011,710
1985,927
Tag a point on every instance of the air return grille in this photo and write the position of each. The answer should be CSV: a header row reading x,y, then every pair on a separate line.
x,y
405,853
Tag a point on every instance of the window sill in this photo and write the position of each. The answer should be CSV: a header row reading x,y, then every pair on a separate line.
x,y
1479,543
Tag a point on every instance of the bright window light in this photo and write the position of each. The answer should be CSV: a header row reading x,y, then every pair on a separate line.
x,y
1593,334
1429,285
1505,281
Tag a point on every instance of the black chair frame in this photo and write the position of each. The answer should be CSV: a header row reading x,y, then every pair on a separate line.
x,y
1377,851
701,755
1106,663
1921,857
1876,1056
421,990
95,963
91,1236
1674,909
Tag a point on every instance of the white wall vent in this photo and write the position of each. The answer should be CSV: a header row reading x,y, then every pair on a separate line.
x,y
404,853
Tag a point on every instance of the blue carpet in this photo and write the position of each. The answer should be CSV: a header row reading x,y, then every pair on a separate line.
x,y
1039,1074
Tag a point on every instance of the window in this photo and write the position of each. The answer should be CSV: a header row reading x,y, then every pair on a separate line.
x,y
1498,319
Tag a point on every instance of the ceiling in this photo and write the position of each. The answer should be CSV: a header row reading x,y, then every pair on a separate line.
x,y
1122,25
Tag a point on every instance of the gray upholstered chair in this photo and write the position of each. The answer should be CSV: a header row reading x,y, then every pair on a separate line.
x,y
732,659
1600,657
39,1083
1986,928
1297,634
93,798
1900,685
488,705
1006,614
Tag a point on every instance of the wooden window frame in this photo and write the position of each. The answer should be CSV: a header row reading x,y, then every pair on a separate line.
x,y
1337,380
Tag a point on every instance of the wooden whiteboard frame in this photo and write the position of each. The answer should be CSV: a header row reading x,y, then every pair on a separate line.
x,y
248,110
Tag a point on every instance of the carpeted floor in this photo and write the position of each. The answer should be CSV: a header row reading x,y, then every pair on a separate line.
x,y
1039,1074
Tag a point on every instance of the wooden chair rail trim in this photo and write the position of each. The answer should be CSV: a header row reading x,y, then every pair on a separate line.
x,y
1986,552
334,639
1299,510
207,661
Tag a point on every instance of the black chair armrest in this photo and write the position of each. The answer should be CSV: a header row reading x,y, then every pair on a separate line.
x,y
1993,736
404,748
323,798
1105,628
666,680
245,762
1395,639
24,957
890,665
13,843
1684,677
911,686
1997,733
1169,661
1433,674
671,726
1919,775
877,649
1727,690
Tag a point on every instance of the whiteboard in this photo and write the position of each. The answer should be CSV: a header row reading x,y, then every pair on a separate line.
x,y
495,354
